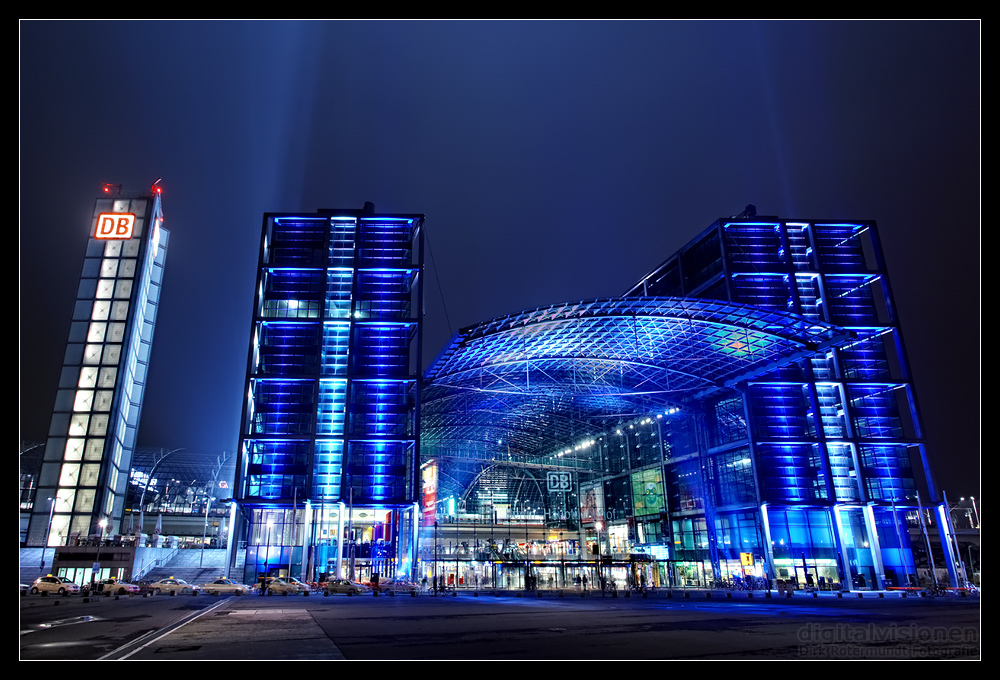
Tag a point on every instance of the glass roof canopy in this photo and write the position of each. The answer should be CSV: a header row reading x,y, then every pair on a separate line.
x,y
519,387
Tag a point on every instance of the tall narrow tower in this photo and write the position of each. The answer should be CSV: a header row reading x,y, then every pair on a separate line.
x,y
85,470
330,421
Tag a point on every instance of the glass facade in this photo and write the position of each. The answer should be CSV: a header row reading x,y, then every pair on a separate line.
x,y
744,412
331,412
92,435
814,454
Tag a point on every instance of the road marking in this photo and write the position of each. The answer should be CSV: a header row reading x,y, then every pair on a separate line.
x,y
165,632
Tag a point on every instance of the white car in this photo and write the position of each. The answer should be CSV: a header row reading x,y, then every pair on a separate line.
x,y
342,585
286,585
394,586
173,585
58,585
114,585
224,585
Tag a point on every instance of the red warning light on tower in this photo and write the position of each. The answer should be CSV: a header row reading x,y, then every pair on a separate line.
x,y
114,226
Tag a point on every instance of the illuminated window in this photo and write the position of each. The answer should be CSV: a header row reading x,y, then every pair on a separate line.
x,y
89,475
69,474
102,400
78,425
88,377
109,268
119,311
74,449
84,400
127,269
84,500
98,426
96,331
112,353
94,449
101,310
106,378
105,289
64,500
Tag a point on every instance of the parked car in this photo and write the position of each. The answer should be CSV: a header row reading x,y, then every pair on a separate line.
x,y
286,585
173,585
397,586
342,585
221,586
115,585
58,585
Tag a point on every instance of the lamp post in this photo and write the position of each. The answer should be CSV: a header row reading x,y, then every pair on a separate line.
x,y
267,546
142,496
204,532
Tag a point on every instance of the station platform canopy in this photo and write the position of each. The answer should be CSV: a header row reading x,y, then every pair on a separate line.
x,y
519,387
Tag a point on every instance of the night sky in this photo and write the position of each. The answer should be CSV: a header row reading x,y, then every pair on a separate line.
x,y
555,161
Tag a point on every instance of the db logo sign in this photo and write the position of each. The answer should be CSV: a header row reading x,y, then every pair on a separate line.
x,y
559,481
114,226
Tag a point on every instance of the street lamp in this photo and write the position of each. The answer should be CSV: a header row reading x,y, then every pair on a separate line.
x,y
267,545
149,479
97,564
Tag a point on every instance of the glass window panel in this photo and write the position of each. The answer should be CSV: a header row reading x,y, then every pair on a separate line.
x,y
88,377
69,474
119,310
109,268
123,289
112,249
89,475
59,531
85,500
84,400
112,353
98,426
74,449
78,425
102,400
106,378
131,248
127,269
64,500
92,354
105,289
94,449
80,525
116,332
96,331
100,310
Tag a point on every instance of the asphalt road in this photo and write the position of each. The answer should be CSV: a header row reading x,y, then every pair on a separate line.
x,y
486,627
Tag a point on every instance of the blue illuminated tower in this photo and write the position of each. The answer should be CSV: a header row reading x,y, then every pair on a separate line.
x,y
95,419
813,467
331,413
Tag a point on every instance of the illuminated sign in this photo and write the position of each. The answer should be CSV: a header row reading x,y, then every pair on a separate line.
x,y
114,226
559,481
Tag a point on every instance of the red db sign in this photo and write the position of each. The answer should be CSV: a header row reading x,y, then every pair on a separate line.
x,y
114,226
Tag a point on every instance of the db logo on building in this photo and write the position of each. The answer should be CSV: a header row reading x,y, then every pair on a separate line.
x,y
114,226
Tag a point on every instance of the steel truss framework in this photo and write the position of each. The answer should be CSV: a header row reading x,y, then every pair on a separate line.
x,y
516,388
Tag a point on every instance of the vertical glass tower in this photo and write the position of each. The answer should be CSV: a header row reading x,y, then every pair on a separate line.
x,y
330,429
813,466
95,420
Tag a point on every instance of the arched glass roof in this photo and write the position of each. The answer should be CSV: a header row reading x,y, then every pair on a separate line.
x,y
523,385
